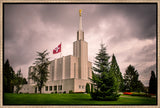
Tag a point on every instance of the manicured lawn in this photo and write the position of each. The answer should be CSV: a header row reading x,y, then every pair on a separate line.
x,y
71,99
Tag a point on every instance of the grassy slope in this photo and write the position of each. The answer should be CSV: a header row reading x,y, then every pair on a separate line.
x,y
70,99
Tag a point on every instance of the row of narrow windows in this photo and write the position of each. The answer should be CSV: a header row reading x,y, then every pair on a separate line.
x,y
50,88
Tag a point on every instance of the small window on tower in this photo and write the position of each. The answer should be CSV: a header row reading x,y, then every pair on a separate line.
x,y
79,86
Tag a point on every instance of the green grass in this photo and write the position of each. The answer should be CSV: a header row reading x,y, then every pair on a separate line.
x,y
71,99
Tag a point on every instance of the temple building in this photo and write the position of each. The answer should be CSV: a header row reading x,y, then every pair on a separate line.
x,y
68,73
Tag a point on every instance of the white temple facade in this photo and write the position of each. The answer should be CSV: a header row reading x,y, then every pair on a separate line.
x,y
68,73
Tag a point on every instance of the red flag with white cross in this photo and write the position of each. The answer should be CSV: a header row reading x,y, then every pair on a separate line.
x,y
57,49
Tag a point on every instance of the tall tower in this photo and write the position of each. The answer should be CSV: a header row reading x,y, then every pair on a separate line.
x,y
80,50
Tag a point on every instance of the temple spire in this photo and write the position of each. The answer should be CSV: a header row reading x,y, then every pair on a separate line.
x,y
80,33
80,20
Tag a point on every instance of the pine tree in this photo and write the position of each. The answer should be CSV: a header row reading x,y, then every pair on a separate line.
x,y
102,61
40,73
104,81
115,69
8,77
153,83
131,81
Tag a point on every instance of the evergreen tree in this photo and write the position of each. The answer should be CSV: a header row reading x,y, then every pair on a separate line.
x,y
40,73
115,69
104,81
153,83
131,81
8,77
87,88
102,61
140,86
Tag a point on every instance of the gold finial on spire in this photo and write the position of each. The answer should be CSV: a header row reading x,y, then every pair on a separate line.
x,y
80,12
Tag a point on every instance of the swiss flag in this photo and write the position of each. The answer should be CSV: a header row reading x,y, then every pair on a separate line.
x,y
57,49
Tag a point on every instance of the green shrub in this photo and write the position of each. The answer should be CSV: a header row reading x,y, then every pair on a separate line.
x,y
70,91
102,96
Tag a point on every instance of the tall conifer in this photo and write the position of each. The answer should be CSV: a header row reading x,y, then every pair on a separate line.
x,y
152,83
104,80
115,69
8,77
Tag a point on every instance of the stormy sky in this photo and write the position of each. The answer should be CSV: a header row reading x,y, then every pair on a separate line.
x,y
127,30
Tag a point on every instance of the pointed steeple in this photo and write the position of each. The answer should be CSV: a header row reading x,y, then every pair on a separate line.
x,y
80,33
80,20
80,50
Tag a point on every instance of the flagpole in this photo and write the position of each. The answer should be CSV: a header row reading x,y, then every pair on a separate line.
x,y
61,50
62,65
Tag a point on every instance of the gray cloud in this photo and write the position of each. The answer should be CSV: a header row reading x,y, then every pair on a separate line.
x,y
140,20
146,74
145,54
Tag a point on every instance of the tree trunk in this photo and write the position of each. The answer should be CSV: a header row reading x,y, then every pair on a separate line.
x,y
40,90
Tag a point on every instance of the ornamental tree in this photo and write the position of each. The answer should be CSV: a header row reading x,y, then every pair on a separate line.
x,y
40,73
19,81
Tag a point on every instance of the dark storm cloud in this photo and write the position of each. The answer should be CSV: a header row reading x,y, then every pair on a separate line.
x,y
141,17
66,15
20,35
141,20
144,15
15,18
